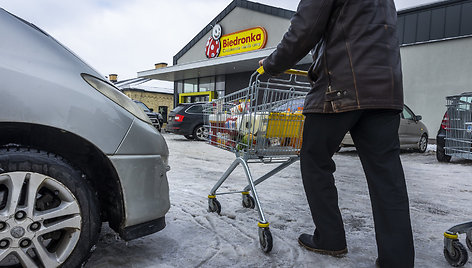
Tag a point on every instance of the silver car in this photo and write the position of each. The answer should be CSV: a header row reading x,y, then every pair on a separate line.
x,y
412,133
74,152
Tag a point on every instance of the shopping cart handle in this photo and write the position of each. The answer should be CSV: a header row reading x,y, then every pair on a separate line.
x,y
289,71
296,72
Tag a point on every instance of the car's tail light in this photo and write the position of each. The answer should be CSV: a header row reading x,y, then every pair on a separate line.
x,y
178,118
445,121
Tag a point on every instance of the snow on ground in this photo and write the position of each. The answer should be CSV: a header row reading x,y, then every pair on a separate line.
x,y
440,195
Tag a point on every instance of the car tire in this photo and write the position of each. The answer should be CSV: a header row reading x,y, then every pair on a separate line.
x,y
59,225
199,133
423,143
441,155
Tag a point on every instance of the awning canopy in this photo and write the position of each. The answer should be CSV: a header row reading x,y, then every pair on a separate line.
x,y
237,63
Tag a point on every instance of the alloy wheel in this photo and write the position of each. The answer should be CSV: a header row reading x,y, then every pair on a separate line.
x,y
40,220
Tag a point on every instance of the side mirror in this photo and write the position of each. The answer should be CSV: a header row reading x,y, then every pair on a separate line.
x,y
418,117
151,109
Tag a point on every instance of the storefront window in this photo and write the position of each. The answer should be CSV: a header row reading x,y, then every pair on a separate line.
x,y
207,84
190,85
220,86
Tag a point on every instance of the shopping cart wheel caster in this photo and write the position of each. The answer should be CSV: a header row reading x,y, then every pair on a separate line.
x,y
265,239
459,256
214,205
248,201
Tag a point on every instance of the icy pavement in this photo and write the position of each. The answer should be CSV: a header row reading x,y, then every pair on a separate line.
x,y
440,196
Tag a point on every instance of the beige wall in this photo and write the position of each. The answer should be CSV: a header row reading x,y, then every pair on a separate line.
x,y
152,99
433,71
237,20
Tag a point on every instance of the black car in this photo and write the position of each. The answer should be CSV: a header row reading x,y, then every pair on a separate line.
x,y
156,118
441,142
456,104
187,119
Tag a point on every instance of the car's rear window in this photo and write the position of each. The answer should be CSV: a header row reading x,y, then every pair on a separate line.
x,y
178,109
195,109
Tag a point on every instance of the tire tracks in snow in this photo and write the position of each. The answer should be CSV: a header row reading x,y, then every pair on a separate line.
x,y
206,223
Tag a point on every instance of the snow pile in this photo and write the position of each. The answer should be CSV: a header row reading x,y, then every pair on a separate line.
x,y
439,197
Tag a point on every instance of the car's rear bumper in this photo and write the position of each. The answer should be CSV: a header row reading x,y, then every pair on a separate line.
x,y
441,139
180,129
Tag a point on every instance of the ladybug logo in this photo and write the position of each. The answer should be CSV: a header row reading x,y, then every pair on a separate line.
x,y
213,45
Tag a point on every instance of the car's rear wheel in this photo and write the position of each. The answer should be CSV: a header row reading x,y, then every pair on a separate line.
x,y
49,215
441,154
423,143
200,133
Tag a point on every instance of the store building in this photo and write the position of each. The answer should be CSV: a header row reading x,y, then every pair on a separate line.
x,y
436,49
247,33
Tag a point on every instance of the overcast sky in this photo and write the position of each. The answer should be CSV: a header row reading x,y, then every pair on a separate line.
x,y
128,36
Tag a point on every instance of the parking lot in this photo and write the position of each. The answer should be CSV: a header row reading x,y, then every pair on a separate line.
x,y
440,196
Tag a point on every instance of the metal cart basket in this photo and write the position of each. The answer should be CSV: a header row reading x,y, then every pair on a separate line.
x,y
459,132
262,123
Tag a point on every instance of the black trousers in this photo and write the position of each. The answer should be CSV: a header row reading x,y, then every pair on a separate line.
x,y
375,134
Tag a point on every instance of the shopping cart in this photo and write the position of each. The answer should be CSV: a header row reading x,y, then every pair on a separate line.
x,y
459,131
458,143
262,123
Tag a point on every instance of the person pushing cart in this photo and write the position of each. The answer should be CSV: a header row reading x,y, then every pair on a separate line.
x,y
356,86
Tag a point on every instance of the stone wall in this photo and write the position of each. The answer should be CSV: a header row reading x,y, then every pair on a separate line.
x,y
152,99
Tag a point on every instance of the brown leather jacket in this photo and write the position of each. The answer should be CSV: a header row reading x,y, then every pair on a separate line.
x,y
355,52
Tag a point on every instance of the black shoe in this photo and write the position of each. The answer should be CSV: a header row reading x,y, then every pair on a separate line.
x,y
306,241
377,263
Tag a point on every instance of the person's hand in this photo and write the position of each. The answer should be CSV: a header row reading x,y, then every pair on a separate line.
x,y
261,62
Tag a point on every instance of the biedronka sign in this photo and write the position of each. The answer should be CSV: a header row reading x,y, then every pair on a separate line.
x,y
233,43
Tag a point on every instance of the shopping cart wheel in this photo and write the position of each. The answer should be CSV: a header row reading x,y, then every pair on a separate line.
x,y
248,201
458,257
468,242
214,205
265,239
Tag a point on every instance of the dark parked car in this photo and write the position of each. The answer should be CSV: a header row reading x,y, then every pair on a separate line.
x,y
156,118
441,142
459,110
187,119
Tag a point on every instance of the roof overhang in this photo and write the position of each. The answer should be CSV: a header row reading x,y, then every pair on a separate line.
x,y
237,63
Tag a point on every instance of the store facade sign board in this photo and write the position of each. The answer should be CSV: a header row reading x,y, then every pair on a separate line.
x,y
238,42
